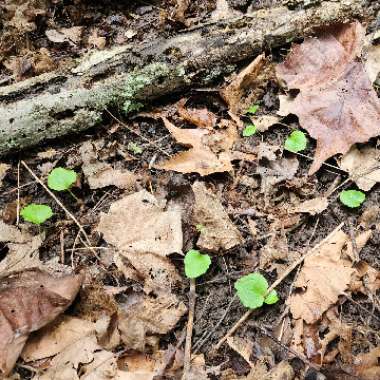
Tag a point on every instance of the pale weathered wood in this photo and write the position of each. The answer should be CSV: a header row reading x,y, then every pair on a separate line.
x,y
59,103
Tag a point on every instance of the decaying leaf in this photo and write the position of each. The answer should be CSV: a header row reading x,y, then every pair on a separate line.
x,y
243,347
312,206
209,150
276,172
372,62
28,301
142,317
100,174
336,104
3,171
281,371
223,10
202,118
326,274
219,233
366,366
72,35
264,122
363,166
249,84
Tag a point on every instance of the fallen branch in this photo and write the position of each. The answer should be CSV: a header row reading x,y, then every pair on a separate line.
x,y
59,103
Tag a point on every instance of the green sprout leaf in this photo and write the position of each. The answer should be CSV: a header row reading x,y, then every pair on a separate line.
x,y
134,148
61,179
196,263
200,228
296,142
36,214
249,130
252,289
352,198
253,109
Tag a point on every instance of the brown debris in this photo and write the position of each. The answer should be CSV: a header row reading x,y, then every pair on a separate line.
x,y
337,104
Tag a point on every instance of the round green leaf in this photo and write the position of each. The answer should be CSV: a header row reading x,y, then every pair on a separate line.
x,y
249,130
352,198
196,263
271,298
253,109
251,290
36,214
61,179
296,142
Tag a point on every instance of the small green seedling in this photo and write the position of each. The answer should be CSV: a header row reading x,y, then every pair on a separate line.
x,y
200,228
252,291
36,214
352,198
296,142
61,179
252,109
196,263
249,130
134,148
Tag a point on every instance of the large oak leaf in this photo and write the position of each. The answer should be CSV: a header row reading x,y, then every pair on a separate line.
x,y
336,104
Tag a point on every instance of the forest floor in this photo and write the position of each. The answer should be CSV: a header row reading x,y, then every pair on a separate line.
x,y
191,172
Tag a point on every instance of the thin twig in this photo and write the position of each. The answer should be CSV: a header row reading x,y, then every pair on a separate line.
x,y
277,282
69,214
189,331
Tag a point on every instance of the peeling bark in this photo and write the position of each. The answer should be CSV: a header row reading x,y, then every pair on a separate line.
x,y
59,103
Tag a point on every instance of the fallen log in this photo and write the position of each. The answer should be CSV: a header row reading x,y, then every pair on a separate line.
x,y
59,103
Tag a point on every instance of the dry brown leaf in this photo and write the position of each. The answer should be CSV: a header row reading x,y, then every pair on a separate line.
x,y
209,151
248,85
12,234
202,118
312,206
363,166
28,301
281,371
276,172
242,346
97,41
72,35
372,63
55,337
366,366
223,10
324,276
336,104
143,317
264,122
219,233
100,174
3,171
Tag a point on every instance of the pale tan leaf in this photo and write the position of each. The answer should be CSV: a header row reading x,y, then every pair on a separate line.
x,y
151,229
143,316
372,63
242,346
201,117
219,233
337,104
323,278
202,157
12,234
3,171
363,166
28,301
264,122
312,206
56,337
102,367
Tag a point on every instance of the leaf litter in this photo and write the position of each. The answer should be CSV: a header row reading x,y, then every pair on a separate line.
x,y
254,208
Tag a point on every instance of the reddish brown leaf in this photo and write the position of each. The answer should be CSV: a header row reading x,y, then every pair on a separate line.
x,y
201,117
336,104
28,301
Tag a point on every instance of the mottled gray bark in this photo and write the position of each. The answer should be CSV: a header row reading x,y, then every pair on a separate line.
x,y
58,103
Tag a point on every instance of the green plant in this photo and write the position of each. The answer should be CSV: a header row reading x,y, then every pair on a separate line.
x,y
196,263
352,198
36,214
249,130
61,179
200,227
253,109
252,291
296,142
134,148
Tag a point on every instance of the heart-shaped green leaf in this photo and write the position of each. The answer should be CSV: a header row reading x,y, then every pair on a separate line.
x,y
249,130
196,263
61,179
296,142
352,198
36,214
